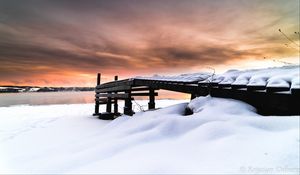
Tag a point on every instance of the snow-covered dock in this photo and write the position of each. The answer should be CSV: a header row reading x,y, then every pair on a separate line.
x,y
273,91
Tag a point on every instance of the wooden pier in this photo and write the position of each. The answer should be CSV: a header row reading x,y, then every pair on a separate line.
x,y
267,100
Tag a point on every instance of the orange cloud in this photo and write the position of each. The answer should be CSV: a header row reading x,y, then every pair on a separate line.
x,y
50,43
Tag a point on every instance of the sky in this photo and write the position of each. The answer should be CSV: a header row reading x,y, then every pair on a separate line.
x,y
66,42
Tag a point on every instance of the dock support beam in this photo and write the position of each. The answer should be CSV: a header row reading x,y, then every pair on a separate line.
x,y
96,100
116,112
151,104
193,95
128,105
108,105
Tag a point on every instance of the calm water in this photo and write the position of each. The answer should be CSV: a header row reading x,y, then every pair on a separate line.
x,y
44,98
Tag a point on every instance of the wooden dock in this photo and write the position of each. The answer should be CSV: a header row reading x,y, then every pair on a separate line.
x,y
267,100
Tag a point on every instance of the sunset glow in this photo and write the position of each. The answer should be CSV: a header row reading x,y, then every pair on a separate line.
x,y
65,43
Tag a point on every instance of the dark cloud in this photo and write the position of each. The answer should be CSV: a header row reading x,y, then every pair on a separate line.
x,y
39,55
39,38
205,55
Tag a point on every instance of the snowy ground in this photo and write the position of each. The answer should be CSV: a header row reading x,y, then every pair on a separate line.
x,y
222,136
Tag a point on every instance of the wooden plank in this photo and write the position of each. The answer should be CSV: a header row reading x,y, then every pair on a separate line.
x,y
125,82
255,88
120,98
224,85
295,91
102,103
238,86
204,83
114,89
142,89
102,100
111,84
144,94
166,86
126,95
240,89
277,89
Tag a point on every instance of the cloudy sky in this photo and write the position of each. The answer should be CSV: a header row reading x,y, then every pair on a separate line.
x,y
66,42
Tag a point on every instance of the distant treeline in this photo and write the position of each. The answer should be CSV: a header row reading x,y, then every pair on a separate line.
x,y
17,89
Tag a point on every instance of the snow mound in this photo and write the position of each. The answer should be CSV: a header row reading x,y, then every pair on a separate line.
x,y
229,106
222,136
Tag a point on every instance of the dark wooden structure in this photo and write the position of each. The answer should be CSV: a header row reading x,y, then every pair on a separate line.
x,y
267,100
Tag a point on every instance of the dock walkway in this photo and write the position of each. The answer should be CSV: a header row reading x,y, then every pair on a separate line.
x,y
267,100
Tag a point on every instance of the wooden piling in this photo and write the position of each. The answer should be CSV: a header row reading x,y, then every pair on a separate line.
x,y
128,104
97,98
116,112
193,95
108,105
151,104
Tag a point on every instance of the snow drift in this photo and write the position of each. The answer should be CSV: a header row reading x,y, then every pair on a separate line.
x,y
222,136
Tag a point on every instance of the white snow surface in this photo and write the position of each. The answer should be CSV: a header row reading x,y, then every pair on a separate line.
x,y
271,77
183,77
222,136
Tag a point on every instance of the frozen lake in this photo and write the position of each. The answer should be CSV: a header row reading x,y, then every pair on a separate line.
x,y
45,98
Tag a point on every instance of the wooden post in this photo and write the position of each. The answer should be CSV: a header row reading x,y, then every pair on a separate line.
x,y
97,98
108,104
116,100
151,104
196,94
193,95
128,105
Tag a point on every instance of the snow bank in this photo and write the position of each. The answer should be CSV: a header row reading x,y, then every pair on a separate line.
x,y
222,136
